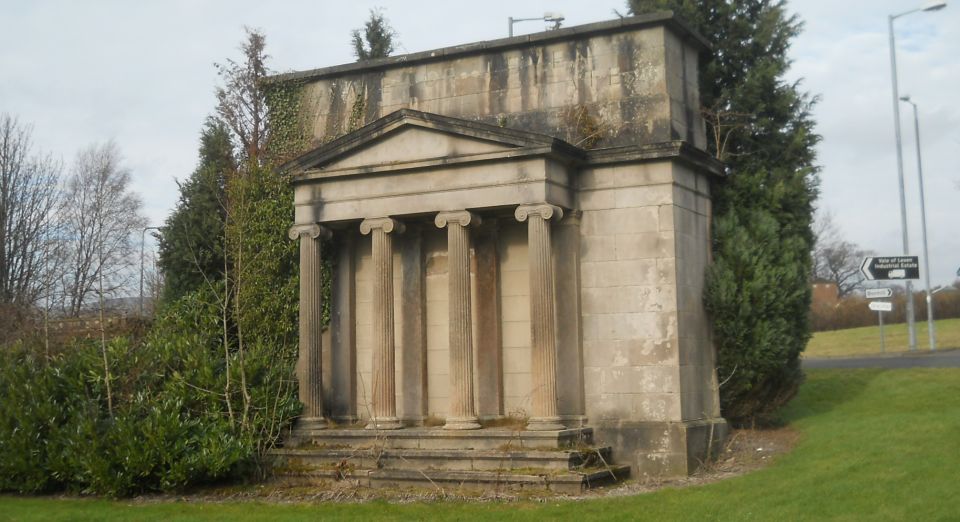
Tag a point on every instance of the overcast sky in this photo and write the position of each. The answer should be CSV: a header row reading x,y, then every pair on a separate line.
x,y
141,73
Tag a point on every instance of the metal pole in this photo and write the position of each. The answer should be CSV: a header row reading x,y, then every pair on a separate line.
x,y
883,345
923,227
511,26
911,327
143,234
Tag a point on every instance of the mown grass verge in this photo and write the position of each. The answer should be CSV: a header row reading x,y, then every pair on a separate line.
x,y
875,445
866,340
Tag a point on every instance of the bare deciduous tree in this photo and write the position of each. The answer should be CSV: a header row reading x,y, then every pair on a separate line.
x,y
100,216
28,196
836,260
241,100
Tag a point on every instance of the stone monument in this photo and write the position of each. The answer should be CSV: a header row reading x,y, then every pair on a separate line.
x,y
520,230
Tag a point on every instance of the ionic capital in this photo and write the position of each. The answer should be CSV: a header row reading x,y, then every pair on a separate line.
x,y
388,225
543,210
460,217
311,230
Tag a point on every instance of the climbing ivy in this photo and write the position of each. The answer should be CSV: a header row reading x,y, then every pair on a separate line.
x,y
287,116
357,112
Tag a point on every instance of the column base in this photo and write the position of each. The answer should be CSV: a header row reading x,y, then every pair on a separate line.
x,y
545,424
310,424
573,421
462,423
384,423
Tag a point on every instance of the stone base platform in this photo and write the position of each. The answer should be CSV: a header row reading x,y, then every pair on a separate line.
x,y
480,481
439,438
562,461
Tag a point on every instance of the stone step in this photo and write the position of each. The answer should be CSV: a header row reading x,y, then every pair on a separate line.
x,y
453,460
439,438
569,482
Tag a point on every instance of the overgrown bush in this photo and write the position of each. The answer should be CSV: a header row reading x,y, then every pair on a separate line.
x,y
179,416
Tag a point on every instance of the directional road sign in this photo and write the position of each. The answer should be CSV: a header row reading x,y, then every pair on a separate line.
x,y
889,268
881,306
878,293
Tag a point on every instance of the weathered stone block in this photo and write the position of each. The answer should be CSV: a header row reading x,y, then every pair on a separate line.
x,y
598,247
597,199
650,245
638,272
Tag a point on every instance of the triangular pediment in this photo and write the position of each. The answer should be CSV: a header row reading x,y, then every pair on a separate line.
x,y
407,137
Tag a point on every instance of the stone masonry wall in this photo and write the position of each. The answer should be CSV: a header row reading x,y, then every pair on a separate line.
x,y
629,302
608,84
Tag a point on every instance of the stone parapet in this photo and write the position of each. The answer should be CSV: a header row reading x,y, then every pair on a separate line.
x,y
635,77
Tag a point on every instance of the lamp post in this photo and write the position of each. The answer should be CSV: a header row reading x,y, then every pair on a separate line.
x,y
556,18
143,234
923,227
933,6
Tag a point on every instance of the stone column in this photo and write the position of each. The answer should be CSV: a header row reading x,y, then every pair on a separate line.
x,y
462,414
543,334
343,327
566,266
384,414
488,339
310,365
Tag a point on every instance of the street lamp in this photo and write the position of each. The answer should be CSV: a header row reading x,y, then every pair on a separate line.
x,y
923,228
932,6
143,234
556,18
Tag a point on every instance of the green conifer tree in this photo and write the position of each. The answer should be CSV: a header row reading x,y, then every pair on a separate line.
x,y
376,40
759,125
192,242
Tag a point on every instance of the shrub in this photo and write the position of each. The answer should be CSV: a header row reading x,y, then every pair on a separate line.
x,y
758,300
175,422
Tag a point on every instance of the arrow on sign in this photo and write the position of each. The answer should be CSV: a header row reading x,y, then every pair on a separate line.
x,y
878,293
881,306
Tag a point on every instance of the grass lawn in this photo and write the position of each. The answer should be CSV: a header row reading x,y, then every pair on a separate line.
x,y
875,445
866,340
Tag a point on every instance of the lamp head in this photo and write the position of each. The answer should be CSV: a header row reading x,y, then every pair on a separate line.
x,y
934,6
905,98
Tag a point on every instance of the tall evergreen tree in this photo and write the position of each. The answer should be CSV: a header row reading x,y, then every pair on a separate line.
x,y
376,40
759,125
192,243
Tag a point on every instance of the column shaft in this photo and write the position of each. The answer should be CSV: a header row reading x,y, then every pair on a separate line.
x,y
462,414
543,333
384,407
309,364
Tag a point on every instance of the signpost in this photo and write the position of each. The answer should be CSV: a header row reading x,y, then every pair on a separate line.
x,y
891,268
880,307
879,293
894,268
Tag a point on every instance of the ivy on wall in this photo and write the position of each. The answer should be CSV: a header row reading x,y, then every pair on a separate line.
x,y
288,119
